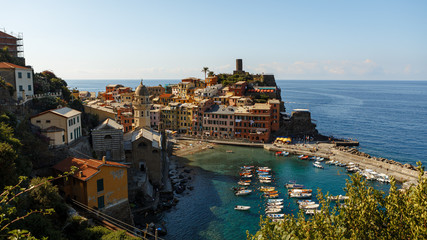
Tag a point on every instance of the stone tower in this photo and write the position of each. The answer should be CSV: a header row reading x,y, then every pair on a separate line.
x,y
141,106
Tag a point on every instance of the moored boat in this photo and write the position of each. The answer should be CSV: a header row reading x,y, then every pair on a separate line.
x,y
293,186
276,215
266,189
300,195
275,200
243,192
242,208
309,206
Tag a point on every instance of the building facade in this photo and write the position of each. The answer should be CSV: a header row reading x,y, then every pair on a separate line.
x,y
20,77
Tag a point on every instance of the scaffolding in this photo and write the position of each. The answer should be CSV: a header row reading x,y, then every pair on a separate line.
x,y
14,42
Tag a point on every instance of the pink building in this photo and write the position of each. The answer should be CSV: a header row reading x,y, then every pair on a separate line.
x,y
218,121
155,115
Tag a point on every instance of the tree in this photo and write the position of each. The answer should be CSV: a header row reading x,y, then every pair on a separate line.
x,y
205,70
368,214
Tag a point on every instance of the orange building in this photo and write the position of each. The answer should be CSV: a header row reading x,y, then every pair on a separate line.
x,y
254,122
239,88
275,114
97,183
210,81
125,118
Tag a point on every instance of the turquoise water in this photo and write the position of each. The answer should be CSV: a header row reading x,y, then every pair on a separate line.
x,y
208,212
387,117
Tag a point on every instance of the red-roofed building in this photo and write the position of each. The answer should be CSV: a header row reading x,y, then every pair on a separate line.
x,y
96,183
20,77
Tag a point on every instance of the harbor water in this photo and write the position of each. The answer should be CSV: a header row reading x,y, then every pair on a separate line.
x,y
387,117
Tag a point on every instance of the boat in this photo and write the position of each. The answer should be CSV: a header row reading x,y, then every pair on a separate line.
x,y
238,188
275,200
277,204
247,167
300,156
229,151
242,208
309,206
274,195
293,186
243,192
318,165
243,183
329,162
247,176
264,177
283,153
273,210
312,211
339,197
300,190
271,192
304,157
264,181
302,202
278,153
300,195
383,178
266,189
313,158
276,215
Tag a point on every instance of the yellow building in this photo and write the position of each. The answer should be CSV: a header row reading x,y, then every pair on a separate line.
x,y
96,183
169,117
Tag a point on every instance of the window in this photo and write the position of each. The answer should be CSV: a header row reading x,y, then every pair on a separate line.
x,y
71,136
29,87
21,88
77,118
74,121
19,75
47,121
101,202
100,185
38,121
63,140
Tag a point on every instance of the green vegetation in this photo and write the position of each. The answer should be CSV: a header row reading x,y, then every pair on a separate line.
x,y
205,70
230,79
5,56
368,214
47,81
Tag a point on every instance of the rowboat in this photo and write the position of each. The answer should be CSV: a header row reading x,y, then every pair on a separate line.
x,y
271,192
304,157
243,183
273,210
274,203
275,200
318,165
312,211
266,189
242,208
277,215
300,190
246,167
271,195
246,176
264,181
274,206
243,192
300,195
309,206
294,186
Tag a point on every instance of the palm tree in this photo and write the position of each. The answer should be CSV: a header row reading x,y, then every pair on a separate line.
x,y
205,70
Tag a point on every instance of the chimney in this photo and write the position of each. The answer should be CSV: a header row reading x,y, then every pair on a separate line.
x,y
104,159
81,174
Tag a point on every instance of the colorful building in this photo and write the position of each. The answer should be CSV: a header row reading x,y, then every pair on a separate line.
x,y
218,121
97,183
21,78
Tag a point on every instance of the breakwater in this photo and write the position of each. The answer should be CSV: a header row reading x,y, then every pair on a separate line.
x,y
401,172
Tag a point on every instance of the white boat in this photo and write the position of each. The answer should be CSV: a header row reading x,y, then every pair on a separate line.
x,y
339,197
306,203
300,195
243,183
309,206
242,208
318,165
312,211
277,215
264,181
274,203
277,219
294,186
274,206
273,210
243,192
329,162
320,159
275,200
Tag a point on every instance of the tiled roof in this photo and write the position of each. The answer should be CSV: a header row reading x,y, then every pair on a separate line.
x,y
6,65
109,123
63,112
87,167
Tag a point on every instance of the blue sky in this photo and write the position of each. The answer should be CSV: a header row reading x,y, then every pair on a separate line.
x,y
348,40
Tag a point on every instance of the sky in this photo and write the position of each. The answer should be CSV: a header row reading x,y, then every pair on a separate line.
x,y
307,40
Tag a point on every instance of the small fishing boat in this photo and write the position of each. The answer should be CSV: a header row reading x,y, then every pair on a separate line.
x,y
264,181
294,186
274,203
320,159
243,183
304,157
242,208
229,151
313,158
300,156
312,211
300,190
309,206
266,189
300,195
274,206
271,192
247,176
264,177
243,192
247,167
318,165
338,198
271,195
275,200
273,210
277,215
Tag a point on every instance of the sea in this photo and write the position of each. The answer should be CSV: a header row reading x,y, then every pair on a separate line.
x,y
388,118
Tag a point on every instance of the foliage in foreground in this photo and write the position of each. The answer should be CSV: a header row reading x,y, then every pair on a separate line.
x,y
368,214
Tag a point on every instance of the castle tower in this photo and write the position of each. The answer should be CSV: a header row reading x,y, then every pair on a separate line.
x,y
141,106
